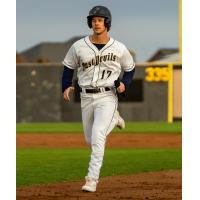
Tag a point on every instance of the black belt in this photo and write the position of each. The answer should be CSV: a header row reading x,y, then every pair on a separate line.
x,y
95,90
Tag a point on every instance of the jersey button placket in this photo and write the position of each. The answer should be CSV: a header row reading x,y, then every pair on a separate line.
x,y
99,66
96,72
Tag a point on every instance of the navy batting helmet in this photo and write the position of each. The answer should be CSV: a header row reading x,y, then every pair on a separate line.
x,y
100,11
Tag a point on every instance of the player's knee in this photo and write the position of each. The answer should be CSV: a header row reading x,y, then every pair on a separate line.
x,y
98,139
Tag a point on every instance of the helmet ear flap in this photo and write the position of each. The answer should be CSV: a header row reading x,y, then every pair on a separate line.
x,y
107,23
89,22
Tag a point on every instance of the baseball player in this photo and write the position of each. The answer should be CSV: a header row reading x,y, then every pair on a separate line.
x,y
99,60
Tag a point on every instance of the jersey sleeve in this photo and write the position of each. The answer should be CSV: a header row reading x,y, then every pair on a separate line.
x,y
71,60
127,61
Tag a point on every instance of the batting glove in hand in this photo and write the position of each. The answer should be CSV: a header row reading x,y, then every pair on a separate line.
x,y
120,87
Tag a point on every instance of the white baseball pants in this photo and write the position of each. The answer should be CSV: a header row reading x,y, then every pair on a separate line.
x,y
98,116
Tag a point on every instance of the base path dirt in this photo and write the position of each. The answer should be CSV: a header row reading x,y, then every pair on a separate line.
x,y
165,185
113,140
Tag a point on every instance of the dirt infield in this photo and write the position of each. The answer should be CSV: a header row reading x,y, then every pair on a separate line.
x,y
151,186
113,140
164,185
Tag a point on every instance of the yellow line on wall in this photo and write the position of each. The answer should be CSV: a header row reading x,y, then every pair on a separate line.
x,y
170,93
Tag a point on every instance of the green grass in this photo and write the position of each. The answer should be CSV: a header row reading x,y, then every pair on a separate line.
x,y
75,127
40,166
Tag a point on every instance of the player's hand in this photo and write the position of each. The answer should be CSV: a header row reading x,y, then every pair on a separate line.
x,y
121,88
66,93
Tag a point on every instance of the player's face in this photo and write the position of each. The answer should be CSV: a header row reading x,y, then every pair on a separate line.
x,y
98,25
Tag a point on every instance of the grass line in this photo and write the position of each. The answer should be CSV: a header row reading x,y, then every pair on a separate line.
x,y
40,166
76,127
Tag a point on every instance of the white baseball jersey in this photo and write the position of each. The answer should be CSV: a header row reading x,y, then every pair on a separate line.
x,y
98,68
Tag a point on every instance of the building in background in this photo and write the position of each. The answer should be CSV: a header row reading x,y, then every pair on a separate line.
x,y
165,55
47,52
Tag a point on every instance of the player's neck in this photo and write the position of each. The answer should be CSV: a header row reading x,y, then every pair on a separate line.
x,y
100,38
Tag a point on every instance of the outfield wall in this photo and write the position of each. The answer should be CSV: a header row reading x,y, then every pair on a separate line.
x,y
39,97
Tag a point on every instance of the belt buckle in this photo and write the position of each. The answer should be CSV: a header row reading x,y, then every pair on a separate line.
x,y
97,90
102,89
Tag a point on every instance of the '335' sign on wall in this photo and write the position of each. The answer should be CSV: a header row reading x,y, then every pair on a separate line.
x,y
157,74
